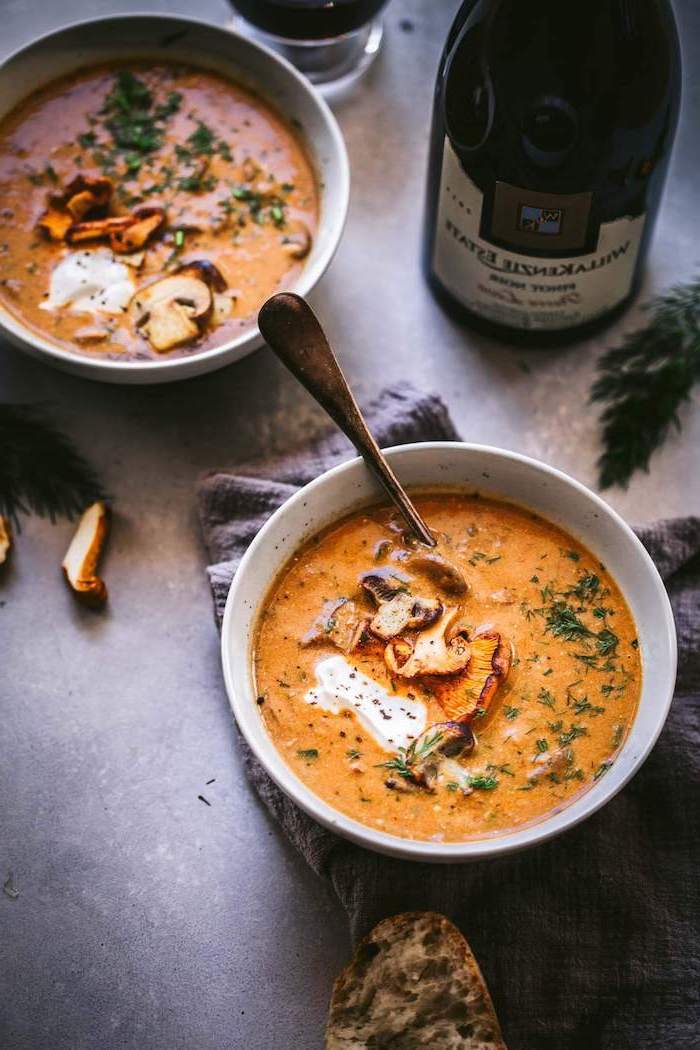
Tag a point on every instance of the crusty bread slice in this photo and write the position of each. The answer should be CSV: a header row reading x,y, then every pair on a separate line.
x,y
413,982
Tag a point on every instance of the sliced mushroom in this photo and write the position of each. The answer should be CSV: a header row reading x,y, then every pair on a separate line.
x,y
440,742
384,584
488,667
5,538
296,240
339,623
432,653
171,311
169,325
399,610
84,195
550,762
90,335
94,229
99,187
83,554
440,571
56,222
134,259
223,308
205,271
145,222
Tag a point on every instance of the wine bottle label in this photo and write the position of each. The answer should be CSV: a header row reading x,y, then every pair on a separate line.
x,y
477,255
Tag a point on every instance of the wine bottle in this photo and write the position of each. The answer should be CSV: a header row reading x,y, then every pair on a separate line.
x,y
552,130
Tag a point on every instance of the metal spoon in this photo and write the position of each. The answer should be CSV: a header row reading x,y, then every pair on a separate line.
x,y
292,330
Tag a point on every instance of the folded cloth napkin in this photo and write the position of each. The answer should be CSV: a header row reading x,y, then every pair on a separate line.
x,y
587,941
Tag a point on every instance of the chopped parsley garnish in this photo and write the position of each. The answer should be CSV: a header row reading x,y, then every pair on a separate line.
x,y
201,141
510,712
542,745
309,754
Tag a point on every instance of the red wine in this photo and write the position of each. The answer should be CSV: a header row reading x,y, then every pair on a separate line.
x,y
308,19
552,130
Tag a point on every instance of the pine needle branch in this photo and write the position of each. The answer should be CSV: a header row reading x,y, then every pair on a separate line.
x,y
41,471
643,383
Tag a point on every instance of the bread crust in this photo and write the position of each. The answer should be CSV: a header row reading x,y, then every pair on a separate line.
x,y
412,983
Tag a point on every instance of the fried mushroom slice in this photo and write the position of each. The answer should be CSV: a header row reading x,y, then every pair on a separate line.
x,y
488,667
206,271
421,761
95,229
439,571
144,223
85,195
172,310
398,610
437,651
339,623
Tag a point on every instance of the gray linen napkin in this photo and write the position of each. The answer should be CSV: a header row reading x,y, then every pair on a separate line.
x,y
587,941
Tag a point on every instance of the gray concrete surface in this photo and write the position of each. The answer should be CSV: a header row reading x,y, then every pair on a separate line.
x,y
146,920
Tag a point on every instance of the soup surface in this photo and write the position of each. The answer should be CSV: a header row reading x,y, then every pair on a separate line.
x,y
450,695
116,179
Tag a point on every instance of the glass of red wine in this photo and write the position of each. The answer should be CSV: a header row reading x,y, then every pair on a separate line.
x,y
330,41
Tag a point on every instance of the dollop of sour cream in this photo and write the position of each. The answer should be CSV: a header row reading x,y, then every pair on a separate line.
x,y
90,282
392,719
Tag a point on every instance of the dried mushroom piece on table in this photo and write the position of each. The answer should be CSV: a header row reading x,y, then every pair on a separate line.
x,y
83,555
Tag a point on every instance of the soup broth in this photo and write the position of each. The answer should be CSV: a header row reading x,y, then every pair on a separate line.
x,y
454,695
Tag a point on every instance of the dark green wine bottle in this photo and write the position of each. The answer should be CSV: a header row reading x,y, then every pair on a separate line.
x,y
552,131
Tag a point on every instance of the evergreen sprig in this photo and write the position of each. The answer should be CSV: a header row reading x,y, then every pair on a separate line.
x,y
41,471
643,383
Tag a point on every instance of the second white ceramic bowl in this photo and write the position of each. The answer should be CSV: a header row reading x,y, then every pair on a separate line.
x,y
494,472
164,37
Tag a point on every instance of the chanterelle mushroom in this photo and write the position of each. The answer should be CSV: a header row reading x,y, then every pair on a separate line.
x,y
83,554
171,310
399,610
487,669
434,652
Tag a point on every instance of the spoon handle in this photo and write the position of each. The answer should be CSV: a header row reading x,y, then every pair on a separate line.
x,y
292,330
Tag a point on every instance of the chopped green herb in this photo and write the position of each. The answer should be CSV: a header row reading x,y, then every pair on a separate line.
x,y
545,697
568,736
482,783
309,754
602,769
510,712
542,745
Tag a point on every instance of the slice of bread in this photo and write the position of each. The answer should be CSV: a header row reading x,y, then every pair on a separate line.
x,y
412,983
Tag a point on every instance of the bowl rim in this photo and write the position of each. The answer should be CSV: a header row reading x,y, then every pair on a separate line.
x,y
250,339
588,803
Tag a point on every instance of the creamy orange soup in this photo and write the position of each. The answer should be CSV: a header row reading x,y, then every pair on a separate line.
x,y
454,696
132,175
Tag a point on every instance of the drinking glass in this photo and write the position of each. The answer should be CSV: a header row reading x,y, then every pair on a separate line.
x,y
331,41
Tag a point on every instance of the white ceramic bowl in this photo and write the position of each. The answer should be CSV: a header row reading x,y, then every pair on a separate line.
x,y
155,36
491,471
